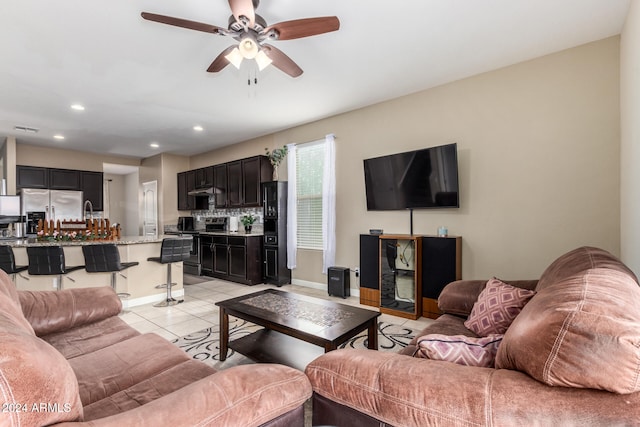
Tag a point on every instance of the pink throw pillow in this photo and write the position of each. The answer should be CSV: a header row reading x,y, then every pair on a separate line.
x,y
498,304
459,349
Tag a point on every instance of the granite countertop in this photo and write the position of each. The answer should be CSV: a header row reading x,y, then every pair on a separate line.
x,y
239,233
124,240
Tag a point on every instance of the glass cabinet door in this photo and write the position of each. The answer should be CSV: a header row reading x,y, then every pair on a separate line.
x,y
398,275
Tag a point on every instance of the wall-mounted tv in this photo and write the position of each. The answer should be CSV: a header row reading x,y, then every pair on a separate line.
x,y
420,179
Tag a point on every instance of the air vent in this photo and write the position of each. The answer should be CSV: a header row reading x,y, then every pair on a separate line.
x,y
26,129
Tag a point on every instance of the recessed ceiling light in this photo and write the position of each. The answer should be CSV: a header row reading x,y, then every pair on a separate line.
x,y
77,107
154,145
60,137
198,128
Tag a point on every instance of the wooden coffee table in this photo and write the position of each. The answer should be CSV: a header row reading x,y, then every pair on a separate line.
x,y
297,328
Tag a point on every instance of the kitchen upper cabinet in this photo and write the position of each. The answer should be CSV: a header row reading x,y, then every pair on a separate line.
x,y
64,179
234,184
220,185
245,178
183,204
187,183
255,170
32,177
204,177
91,184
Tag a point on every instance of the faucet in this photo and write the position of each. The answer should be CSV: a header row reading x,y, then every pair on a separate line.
x,y
84,210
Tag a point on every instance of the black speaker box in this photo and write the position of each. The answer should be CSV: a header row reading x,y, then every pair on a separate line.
x,y
369,261
338,281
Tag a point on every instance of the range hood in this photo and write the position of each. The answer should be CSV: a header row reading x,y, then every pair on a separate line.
x,y
201,192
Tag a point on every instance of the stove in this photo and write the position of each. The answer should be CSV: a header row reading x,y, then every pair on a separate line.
x,y
216,223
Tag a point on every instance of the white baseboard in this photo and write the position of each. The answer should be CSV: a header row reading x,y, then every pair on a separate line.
x,y
128,303
355,292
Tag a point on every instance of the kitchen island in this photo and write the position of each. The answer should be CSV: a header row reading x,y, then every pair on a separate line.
x,y
140,281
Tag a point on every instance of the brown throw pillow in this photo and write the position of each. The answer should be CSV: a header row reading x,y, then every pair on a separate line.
x,y
459,349
498,304
582,331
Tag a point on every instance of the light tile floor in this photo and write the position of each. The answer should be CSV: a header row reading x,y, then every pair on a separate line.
x,y
198,311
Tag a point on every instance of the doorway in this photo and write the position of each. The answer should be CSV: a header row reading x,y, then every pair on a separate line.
x,y
150,208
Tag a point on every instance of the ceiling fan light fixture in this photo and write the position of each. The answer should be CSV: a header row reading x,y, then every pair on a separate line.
x,y
263,60
248,48
235,57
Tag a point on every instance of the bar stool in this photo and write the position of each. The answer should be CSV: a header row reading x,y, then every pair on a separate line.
x,y
8,263
172,250
49,261
105,258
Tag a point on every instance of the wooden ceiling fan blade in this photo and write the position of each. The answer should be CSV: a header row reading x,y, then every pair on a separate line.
x,y
282,61
299,28
183,23
220,62
243,8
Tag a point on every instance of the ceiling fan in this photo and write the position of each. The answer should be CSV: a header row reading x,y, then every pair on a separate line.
x,y
252,33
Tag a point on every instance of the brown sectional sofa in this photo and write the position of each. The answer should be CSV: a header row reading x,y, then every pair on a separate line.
x,y
571,357
66,358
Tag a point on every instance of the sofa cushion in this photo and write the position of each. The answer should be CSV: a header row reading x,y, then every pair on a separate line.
x,y
460,349
155,387
37,385
498,304
120,366
582,331
91,337
53,311
578,260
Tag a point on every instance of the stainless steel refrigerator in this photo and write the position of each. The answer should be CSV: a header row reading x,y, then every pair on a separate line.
x,y
49,205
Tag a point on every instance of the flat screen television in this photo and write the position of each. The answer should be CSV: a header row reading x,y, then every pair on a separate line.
x,y
421,179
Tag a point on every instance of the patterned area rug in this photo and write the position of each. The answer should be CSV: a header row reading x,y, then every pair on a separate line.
x,y
204,345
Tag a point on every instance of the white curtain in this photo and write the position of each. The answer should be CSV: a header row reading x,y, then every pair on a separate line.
x,y
292,214
329,204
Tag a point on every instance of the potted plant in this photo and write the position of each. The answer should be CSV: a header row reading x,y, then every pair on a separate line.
x,y
276,157
247,221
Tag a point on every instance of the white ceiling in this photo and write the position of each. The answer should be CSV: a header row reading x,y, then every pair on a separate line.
x,y
141,81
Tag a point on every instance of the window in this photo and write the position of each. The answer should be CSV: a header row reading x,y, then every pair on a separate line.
x,y
309,170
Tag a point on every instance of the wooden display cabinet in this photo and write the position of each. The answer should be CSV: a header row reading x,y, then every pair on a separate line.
x,y
401,275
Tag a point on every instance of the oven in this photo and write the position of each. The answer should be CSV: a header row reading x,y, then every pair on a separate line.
x,y
193,265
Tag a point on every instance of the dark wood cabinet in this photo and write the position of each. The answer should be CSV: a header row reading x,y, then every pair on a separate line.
x,y
204,177
437,263
32,177
234,184
255,171
186,184
237,257
220,185
234,258
220,257
89,182
206,255
274,199
183,204
64,179
92,186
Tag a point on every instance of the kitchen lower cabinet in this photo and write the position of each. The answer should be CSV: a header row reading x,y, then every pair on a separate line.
x,y
234,258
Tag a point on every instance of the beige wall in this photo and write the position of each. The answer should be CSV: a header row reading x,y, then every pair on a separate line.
x,y
630,145
539,154
32,155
